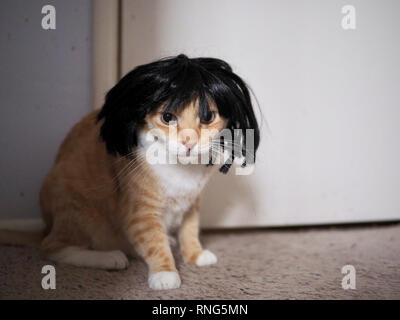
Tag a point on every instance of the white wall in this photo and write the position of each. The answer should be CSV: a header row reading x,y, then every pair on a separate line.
x,y
45,87
331,98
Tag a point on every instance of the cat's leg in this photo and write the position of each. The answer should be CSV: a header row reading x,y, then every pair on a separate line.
x,y
191,248
148,236
81,257
75,251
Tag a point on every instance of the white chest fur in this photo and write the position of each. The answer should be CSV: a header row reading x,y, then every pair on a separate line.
x,y
181,185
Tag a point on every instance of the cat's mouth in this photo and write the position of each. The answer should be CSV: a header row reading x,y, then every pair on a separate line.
x,y
188,154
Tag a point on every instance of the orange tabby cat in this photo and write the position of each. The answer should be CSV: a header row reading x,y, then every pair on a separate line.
x,y
103,201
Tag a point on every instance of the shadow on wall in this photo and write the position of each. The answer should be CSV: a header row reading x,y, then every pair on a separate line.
x,y
222,194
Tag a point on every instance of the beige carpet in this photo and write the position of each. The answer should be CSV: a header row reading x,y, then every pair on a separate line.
x,y
262,264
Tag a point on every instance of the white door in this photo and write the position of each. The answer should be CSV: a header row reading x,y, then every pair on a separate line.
x,y
331,97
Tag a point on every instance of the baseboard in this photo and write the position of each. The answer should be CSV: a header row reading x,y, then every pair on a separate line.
x,y
22,224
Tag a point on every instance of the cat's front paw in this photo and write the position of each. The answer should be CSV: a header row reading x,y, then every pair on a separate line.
x,y
206,258
164,280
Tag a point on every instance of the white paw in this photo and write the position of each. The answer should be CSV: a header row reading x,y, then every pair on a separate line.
x,y
164,280
205,258
115,260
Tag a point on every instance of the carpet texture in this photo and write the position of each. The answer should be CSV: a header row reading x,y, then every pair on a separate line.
x,y
260,264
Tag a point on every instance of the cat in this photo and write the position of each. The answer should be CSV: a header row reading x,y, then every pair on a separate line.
x,y
104,201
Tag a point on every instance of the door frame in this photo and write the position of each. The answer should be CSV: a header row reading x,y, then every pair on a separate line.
x,y
106,30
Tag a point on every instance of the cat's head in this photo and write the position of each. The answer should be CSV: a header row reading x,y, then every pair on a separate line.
x,y
184,103
184,133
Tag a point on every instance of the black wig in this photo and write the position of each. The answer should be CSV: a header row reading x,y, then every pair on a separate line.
x,y
176,82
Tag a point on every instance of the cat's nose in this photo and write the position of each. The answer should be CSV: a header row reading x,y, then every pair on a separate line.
x,y
188,139
189,144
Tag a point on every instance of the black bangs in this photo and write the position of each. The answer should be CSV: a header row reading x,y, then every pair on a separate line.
x,y
176,82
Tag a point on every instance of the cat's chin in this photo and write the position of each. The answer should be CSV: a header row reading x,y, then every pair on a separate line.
x,y
192,159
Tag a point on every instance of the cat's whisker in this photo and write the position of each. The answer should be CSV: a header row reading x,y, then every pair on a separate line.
x,y
249,154
126,168
232,142
223,156
126,173
134,174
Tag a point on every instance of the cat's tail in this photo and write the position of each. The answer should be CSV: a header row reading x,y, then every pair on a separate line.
x,y
21,233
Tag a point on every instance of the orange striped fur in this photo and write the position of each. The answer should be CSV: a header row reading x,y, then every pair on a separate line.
x,y
99,208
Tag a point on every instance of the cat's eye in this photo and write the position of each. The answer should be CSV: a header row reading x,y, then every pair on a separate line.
x,y
167,117
209,118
